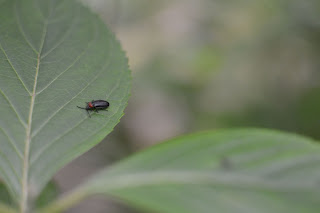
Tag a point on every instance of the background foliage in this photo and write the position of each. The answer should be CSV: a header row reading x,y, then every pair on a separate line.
x,y
211,63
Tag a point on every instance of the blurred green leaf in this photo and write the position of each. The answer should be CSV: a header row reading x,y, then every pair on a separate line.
x,y
307,112
246,170
49,193
54,55
4,195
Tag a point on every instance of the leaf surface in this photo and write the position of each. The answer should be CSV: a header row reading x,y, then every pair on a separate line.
x,y
230,171
54,55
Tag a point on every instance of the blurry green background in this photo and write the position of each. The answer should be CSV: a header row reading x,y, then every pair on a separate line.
x,y
206,64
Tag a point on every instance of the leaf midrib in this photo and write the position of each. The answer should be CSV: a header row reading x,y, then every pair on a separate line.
x,y
24,184
176,177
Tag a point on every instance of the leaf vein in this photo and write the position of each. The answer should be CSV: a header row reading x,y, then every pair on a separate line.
x,y
63,37
25,171
9,61
32,161
46,122
12,143
24,124
10,165
49,118
70,66
22,30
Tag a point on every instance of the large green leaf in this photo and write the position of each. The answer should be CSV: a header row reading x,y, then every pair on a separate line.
x,y
222,171
54,55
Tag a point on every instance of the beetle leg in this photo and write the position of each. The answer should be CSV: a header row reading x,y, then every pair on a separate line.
x,y
96,110
88,113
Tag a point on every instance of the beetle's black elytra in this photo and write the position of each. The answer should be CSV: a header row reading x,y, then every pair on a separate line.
x,y
96,105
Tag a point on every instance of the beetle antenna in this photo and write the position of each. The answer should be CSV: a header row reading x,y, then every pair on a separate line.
x,y
81,107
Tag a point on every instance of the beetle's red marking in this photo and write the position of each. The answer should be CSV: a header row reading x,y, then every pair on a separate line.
x,y
90,105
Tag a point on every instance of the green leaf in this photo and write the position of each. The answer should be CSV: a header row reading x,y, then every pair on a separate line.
x,y
5,200
54,55
49,193
4,195
246,170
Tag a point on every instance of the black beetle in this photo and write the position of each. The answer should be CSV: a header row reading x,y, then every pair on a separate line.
x,y
96,105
